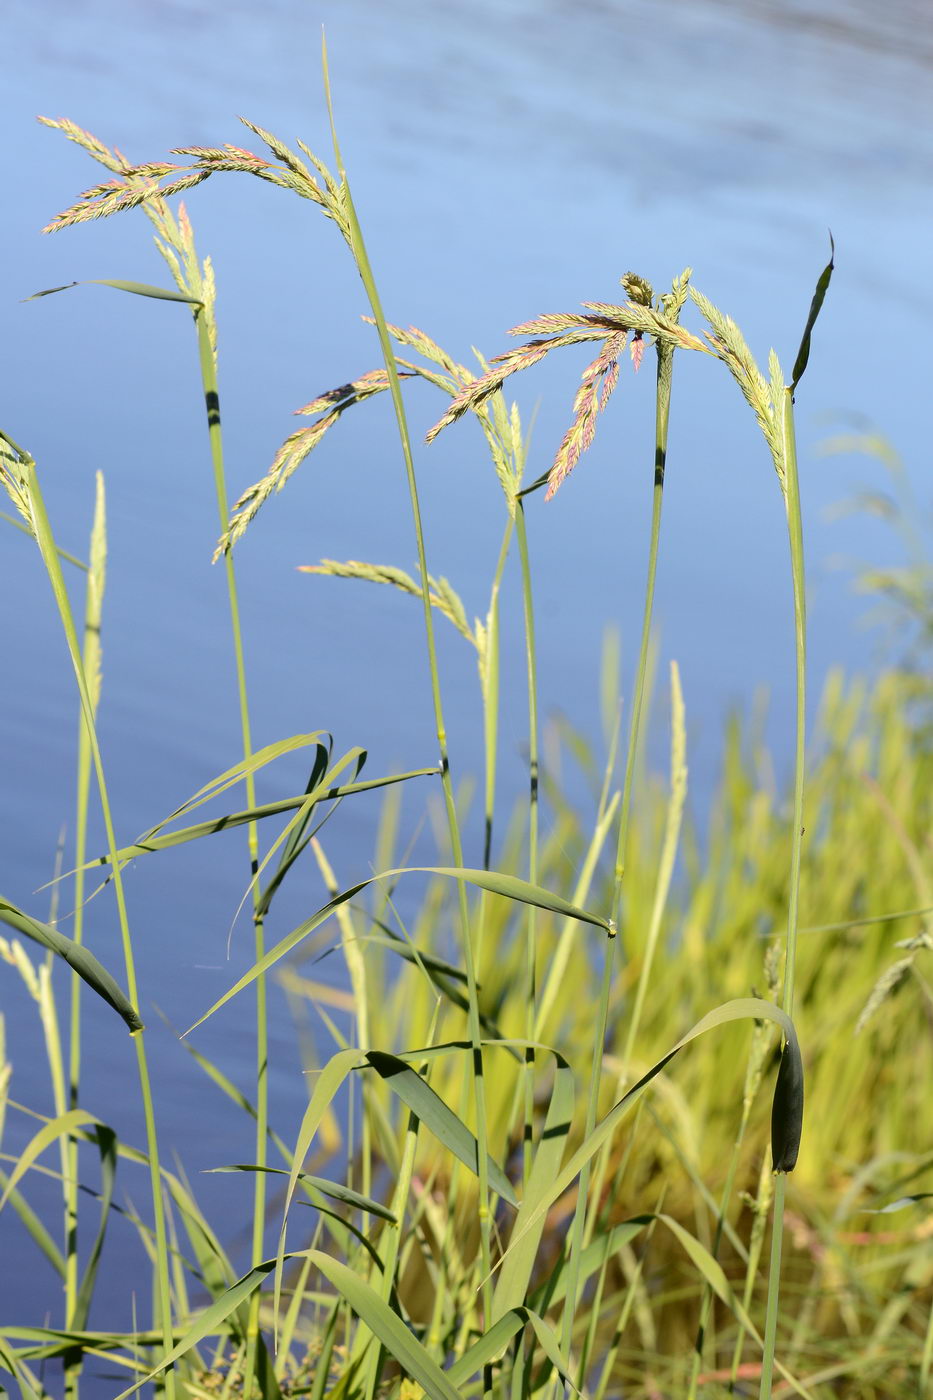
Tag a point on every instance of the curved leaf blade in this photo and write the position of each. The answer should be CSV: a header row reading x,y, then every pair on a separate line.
x,y
139,289
431,1110
77,956
507,885
414,1359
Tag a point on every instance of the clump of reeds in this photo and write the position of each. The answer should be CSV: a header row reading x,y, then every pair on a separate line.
x,y
527,1175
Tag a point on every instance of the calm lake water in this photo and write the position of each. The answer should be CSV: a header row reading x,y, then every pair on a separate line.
x,y
507,159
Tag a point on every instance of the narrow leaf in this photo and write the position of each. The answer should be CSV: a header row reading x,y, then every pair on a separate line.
x,y
140,289
408,1084
210,1322
333,1189
397,1339
47,1134
76,956
507,885
803,354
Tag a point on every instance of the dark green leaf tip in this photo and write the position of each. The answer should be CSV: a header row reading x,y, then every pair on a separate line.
x,y
803,354
787,1110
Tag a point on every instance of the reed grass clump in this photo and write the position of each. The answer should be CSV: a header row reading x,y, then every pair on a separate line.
x,y
576,1080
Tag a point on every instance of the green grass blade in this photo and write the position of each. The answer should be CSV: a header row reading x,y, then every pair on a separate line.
x,y
76,956
334,1189
139,289
397,1339
822,286
507,885
743,1008
438,1118
592,1258
146,844
516,1270
36,1230
715,1276
62,553
106,1145
58,1127
210,1322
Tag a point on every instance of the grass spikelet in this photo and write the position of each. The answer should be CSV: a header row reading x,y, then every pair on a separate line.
x,y
603,320
112,159
14,463
373,382
418,340
286,461
443,596
729,342
673,302
114,201
523,357
892,977
587,406
281,152
886,985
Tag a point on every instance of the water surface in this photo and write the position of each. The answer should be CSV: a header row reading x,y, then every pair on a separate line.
x,y
508,159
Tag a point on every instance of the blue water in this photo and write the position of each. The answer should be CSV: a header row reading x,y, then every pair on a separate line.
x,y
507,159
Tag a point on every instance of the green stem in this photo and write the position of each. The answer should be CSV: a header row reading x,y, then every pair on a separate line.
x,y
90,651
52,563
662,420
795,531
361,258
531,991
578,1233
583,1185
491,698
212,404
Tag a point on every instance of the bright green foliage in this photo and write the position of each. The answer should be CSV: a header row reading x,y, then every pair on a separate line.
x,y
576,1080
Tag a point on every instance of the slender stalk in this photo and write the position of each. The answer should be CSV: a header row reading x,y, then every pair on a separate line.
x,y
208,365
795,531
52,563
491,699
926,1363
662,419
583,1185
531,992
91,664
361,258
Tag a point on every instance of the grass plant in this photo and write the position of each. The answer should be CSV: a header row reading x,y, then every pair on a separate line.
x,y
527,1197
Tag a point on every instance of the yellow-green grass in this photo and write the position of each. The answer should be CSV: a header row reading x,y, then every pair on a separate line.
x,y
575,1081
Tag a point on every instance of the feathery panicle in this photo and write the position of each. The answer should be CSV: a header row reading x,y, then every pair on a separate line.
x,y
296,448
650,322
553,323
416,339
729,343
114,201
374,382
885,986
587,406
598,321
891,978
113,160
333,188
442,595
287,460
140,183
281,151
522,357
184,182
